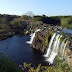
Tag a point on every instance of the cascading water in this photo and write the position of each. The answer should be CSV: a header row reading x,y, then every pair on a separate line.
x,y
50,44
54,45
62,45
54,51
32,37
65,46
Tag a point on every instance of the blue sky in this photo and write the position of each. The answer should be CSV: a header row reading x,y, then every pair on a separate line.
x,y
38,7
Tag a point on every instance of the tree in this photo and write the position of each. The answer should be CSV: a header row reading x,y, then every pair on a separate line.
x,y
25,17
30,14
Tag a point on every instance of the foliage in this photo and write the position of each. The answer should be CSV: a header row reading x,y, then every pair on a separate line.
x,y
47,20
61,63
62,33
66,22
25,17
18,24
6,65
61,39
48,37
10,66
60,66
68,38
2,30
29,13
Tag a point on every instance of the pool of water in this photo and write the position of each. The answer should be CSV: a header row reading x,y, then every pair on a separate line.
x,y
68,31
18,50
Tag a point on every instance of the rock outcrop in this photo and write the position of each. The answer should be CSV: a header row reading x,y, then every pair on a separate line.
x,y
41,42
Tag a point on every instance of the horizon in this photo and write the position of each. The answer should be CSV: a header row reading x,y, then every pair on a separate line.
x,y
35,15
47,7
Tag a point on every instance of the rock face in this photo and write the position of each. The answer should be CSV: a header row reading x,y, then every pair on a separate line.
x,y
68,56
41,42
37,45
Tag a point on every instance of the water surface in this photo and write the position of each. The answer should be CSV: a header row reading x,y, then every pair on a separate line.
x,y
19,51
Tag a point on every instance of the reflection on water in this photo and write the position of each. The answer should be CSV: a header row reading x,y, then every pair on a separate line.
x,y
18,50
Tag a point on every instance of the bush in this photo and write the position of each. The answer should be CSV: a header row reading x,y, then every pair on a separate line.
x,y
6,65
60,66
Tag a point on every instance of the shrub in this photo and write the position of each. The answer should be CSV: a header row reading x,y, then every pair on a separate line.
x,y
6,65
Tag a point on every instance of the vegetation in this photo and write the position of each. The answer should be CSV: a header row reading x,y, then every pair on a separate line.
x,y
64,21
6,65
48,37
25,17
10,66
12,24
60,66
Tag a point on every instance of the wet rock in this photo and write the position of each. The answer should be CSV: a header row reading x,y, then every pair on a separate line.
x,y
39,42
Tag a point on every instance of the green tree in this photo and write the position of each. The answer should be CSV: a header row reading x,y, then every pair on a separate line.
x,y
25,17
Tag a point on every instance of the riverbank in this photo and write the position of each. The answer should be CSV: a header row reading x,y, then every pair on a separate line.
x,y
12,24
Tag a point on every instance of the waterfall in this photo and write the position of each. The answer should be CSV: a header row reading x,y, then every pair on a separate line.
x,y
54,51
65,46
62,45
50,44
32,37
53,48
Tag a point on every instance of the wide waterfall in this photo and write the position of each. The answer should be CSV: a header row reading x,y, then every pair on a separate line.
x,y
32,36
53,48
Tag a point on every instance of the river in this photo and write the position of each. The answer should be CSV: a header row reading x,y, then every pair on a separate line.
x,y
18,50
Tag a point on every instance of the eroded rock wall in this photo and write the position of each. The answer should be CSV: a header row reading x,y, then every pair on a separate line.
x,y
41,42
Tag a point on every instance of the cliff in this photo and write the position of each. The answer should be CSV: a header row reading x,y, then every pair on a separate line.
x,y
41,42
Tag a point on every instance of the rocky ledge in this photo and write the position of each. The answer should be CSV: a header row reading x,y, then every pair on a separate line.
x,y
41,41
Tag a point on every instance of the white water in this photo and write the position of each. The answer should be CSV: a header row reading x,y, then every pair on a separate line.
x,y
54,51
32,37
65,46
62,45
54,45
50,44
53,48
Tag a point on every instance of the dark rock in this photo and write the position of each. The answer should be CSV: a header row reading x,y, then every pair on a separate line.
x,y
38,45
40,41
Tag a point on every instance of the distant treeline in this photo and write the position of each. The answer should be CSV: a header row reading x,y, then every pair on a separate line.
x,y
14,23
64,21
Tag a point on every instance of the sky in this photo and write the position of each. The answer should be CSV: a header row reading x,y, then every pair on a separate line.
x,y
38,7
